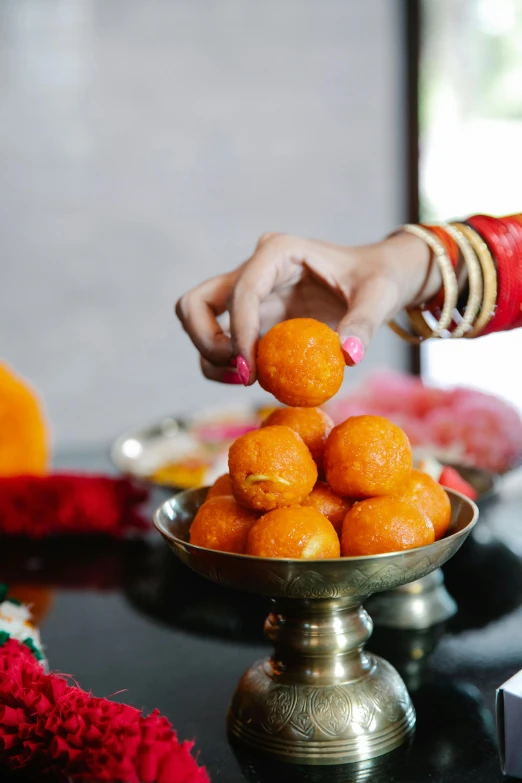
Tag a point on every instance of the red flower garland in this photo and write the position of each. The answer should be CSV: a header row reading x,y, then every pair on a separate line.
x,y
48,728
40,506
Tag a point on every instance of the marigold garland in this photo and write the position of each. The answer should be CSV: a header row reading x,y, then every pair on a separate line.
x,y
50,729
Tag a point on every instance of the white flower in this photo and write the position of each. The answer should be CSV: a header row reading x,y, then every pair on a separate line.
x,y
15,611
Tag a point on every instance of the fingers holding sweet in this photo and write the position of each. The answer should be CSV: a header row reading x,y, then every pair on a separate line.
x,y
269,267
219,373
372,303
199,309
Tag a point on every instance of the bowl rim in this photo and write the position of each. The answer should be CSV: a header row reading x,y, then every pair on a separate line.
x,y
427,548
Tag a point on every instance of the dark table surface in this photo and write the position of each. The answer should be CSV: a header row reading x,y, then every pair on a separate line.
x,y
128,615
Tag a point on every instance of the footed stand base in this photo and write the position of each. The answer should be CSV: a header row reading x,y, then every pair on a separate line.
x,y
417,605
329,724
320,698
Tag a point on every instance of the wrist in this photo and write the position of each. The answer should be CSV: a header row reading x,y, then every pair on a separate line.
x,y
411,258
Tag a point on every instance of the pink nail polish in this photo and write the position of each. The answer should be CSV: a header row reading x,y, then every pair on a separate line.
x,y
243,369
231,377
233,362
353,350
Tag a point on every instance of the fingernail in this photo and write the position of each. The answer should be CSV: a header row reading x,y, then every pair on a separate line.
x,y
353,350
243,369
233,362
231,377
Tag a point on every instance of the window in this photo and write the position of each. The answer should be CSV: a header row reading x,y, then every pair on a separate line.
x,y
470,103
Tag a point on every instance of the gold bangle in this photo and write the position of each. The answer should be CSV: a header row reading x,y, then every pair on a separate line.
x,y
474,269
489,279
403,333
449,280
419,324
475,287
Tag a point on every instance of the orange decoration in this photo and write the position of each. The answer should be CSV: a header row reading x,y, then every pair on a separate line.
x,y
427,494
385,524
271,467
328,503
222,524
300,362
367,456
312,424
24,440
293,532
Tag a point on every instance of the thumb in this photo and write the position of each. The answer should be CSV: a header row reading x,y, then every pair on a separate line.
x,y
372,304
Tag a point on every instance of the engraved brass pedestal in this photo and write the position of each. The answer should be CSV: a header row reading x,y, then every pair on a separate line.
x,y
320,698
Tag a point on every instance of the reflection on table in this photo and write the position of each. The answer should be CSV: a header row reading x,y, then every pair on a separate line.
x,y
452,672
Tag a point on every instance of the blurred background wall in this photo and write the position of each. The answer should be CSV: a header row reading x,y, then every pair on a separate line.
x,y
145,146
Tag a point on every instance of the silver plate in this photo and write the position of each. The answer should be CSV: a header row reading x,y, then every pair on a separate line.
x,y
140,452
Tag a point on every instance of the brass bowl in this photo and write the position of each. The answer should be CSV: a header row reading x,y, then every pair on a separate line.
x,y
320,698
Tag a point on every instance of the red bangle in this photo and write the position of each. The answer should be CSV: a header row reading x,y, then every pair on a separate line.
x,y
517,217
501,245
512,239
514,225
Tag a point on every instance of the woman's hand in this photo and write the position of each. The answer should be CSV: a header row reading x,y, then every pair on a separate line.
x,y
353,289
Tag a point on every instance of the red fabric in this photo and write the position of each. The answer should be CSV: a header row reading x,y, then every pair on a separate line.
x,y
39,506
507,253
50,729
